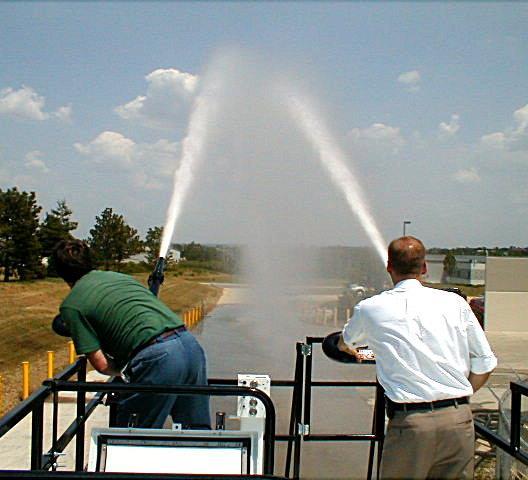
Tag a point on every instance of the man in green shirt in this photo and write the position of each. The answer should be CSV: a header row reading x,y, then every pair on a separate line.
x,y
123,329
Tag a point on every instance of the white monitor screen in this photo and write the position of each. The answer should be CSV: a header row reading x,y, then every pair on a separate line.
x,y
228,457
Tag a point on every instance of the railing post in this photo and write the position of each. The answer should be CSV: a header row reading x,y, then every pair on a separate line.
x,y
81,411
515,430
25,380
37,432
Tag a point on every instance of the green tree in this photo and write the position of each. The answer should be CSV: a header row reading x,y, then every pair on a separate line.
x,y
56,226
449,266
19,244
113,240
153,244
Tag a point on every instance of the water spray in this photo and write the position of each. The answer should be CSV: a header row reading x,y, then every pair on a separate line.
x,y
157,276
333,160
193,146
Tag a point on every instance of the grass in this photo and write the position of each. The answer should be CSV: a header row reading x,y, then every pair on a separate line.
x,y
27,309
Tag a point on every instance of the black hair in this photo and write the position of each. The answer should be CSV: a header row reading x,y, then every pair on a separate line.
x,y
72,259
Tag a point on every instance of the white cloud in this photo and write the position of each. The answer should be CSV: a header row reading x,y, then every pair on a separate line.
x,y
411,80
27,104
451,128
24,103
168,96
514,138
63,113
469,175
33,160
111,146
148,164
379,134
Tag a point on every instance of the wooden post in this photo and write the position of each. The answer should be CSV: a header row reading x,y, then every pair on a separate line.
x,y
51,363
25,380
71,351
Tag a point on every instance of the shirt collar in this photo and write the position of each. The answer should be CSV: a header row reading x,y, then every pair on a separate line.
x,y
408,283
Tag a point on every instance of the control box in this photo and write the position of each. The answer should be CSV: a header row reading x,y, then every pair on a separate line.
x,y
251,407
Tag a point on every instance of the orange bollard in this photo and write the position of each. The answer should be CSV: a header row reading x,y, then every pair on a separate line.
x,y
51,363
25,380
71,352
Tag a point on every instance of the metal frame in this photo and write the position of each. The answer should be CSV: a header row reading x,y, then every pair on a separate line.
x,y
300,418
299,426
512,446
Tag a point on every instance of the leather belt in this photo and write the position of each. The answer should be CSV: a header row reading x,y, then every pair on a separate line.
x,y
158,339
434,405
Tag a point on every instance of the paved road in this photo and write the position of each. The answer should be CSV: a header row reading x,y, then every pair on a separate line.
x,y
239,342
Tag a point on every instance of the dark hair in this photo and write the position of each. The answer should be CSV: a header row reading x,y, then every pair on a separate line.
x,y
72,259
407,255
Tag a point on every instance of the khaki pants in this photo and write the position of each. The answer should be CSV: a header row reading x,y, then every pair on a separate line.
x,y
425,444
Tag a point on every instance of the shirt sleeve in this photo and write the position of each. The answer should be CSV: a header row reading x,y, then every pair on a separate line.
x,y
354,330
83,335
481,358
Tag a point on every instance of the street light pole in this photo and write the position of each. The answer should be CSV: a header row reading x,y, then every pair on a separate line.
x,y
405,223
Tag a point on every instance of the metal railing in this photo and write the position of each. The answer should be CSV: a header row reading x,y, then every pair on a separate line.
x,y
301,410
511,446
299,425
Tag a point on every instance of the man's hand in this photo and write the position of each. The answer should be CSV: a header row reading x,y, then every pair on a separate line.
x,y
102,363
345,348
478,379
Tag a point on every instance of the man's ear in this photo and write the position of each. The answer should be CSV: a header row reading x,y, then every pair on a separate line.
x,y
424,269
389,266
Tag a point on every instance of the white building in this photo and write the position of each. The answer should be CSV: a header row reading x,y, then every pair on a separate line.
x,y
469,270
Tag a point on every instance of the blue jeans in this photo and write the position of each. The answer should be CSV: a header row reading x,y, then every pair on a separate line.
x,y
174,360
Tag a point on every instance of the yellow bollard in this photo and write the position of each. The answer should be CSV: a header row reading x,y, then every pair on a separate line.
x,y
25,380
195,311
51,363
1,394
335,316
186,318
71,351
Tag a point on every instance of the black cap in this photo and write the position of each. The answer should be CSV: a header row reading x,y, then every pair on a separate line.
x,y
59,327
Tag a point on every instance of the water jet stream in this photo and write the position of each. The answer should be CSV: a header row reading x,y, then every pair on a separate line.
x,y
333,160
204,109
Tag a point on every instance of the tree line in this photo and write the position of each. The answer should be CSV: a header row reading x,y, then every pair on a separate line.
x,y
26,241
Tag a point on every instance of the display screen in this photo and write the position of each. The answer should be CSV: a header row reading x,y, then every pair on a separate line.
x,y
163,455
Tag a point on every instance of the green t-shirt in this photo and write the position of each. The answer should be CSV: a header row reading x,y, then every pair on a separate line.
x,y
115,313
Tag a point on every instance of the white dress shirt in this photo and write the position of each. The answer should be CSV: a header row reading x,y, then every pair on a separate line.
x,y
426,342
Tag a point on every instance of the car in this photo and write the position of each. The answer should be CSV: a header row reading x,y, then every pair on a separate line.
x,y
477,305
357,289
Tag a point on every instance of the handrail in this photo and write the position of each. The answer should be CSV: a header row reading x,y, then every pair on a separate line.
x,y
269,429
20,411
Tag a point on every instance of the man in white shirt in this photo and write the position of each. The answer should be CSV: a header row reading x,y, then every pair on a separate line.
x,y
431,355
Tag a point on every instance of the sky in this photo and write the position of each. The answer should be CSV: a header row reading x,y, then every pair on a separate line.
x,y
428,102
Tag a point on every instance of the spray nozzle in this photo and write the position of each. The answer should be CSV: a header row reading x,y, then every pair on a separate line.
x,y
156,277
